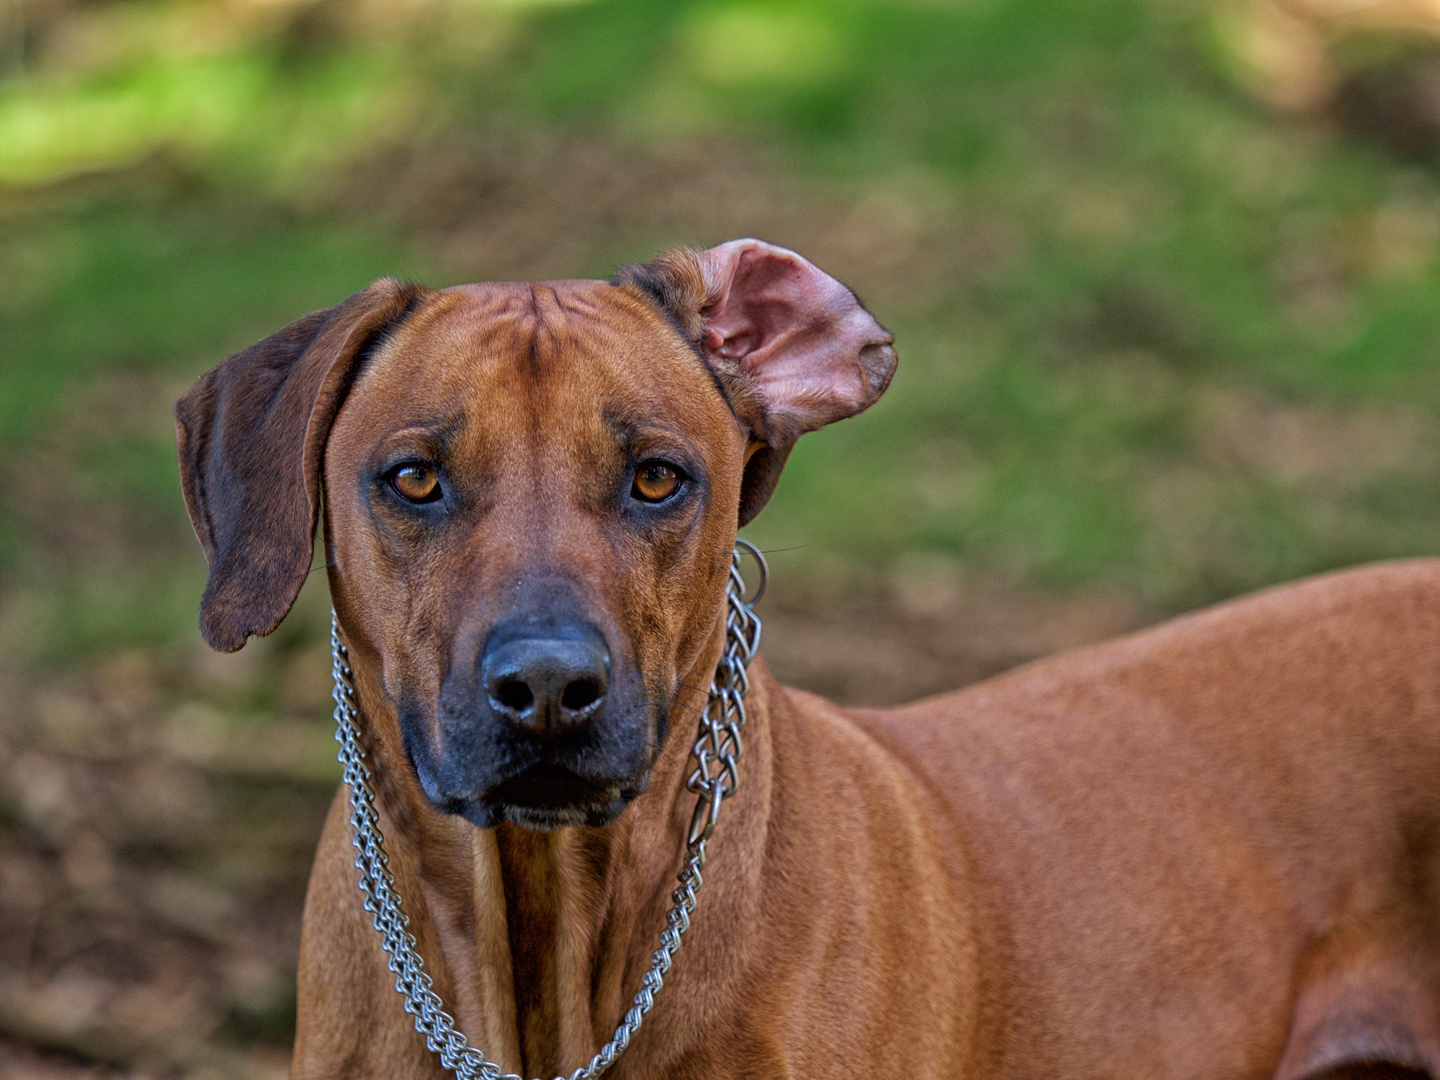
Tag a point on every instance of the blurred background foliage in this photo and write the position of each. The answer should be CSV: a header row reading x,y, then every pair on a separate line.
x,y
1161,343
1153,335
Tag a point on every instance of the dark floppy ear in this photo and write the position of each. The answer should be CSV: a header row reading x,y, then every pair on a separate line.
x,y
252,436
793,344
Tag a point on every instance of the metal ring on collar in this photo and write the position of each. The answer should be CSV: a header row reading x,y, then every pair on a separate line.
x,y
764,570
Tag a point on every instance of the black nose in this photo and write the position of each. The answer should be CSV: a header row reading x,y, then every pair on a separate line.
x,y
547,682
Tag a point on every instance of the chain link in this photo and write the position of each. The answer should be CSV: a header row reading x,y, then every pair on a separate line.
x,y
717,752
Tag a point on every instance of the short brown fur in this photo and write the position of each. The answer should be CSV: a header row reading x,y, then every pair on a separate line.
x,y
1208,850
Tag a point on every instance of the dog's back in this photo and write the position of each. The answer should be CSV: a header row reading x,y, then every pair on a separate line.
x,y
1210,845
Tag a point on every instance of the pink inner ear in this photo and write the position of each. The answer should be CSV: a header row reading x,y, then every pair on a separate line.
x,y
814,353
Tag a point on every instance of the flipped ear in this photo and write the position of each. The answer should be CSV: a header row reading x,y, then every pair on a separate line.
x,y
252,436
794,346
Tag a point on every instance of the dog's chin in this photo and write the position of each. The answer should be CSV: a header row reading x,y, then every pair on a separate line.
x,y
547,820
546,798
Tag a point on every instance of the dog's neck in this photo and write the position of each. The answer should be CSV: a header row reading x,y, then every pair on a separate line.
x,y
538,940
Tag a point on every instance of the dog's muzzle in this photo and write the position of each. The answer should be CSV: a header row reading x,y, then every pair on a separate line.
x,y
545,729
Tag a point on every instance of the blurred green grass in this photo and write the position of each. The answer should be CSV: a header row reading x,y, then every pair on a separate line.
x,y
1153,337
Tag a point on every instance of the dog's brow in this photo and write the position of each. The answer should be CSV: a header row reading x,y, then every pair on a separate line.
x,y
631,432
442,430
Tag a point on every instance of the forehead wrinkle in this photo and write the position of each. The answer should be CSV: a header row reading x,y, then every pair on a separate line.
x,y
579,297
441,345
567,448
554,305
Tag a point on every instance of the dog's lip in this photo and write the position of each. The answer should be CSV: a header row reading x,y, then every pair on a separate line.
x,y
550,787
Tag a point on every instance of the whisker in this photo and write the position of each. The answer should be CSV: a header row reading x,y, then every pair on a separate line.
x,y
672,705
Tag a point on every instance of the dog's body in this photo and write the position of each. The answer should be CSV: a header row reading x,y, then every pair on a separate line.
x,y
1208,850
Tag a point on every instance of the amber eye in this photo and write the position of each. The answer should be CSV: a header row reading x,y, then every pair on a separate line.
x,y
655,481
417,483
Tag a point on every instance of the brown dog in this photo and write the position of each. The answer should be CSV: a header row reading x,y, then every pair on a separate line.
x,y
1208,850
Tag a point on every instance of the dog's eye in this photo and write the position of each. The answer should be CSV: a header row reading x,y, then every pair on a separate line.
x,y
655,481
417,483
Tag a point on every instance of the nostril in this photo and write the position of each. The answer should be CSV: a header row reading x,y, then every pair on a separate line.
x,y
581,694
544,684
513,695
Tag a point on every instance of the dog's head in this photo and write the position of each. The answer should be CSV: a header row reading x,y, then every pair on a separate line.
x,y
530,494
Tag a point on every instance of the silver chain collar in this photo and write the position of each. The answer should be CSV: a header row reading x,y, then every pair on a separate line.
x,y
717,753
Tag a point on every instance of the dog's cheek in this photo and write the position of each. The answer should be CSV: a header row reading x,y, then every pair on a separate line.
x,y
696,590
649,638
702,596
403,686
415,622
420,750
691,592
660,695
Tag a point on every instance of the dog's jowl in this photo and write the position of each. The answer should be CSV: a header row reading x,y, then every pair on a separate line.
x,y
1204,851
